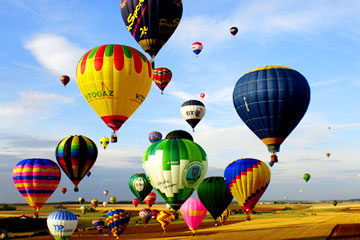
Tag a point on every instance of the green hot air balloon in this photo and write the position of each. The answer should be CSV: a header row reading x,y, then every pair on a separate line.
x,y
140,186
306,177
214,195
175,168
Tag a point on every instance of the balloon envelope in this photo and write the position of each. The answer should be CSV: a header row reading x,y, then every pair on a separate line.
x,y
104,141
197,47
140,185
150,199
193,212
175,168
306,177
99,224
65,79
192,111
76,155
215,195
105,204
145,215
106,192
164,218
64,190
179,134
62,224
151,22
112,200
202,95
162,77
81,200
223,217
36,179
247,180
328,154
234,31
117,220
155,136
114,80
135,202
271,101
94,202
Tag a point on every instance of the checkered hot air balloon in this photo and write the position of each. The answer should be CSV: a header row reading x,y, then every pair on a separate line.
x,y
117,220
36,179
247,180
155,136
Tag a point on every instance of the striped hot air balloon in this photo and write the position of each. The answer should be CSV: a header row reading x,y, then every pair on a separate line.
x,y
36,179
162,77
197,47
117,220
223,217
62,224
193,212
164,218
192,111
247,180
76,155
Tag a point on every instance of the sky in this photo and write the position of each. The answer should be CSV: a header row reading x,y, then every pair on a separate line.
x,y
44,39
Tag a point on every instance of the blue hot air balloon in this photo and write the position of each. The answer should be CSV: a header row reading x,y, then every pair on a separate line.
x,y
271,101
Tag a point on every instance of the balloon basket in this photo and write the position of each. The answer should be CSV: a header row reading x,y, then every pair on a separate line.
x,y
113,137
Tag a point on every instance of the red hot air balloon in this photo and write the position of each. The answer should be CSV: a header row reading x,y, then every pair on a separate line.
x,y
135,202
150,199
64,190
162,77
202,95
65,79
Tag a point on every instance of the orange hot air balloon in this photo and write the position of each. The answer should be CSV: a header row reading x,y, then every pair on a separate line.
x,y
150,199
114,80
64,190
202,95
65,79
162,77
328,154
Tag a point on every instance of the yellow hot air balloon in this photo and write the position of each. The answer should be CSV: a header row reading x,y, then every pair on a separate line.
x,y
104,142
114,80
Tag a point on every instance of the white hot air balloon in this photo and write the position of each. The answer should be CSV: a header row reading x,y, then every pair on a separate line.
x,y
105,204
62,224
192,111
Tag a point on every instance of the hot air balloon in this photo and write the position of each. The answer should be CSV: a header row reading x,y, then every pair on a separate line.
x,y
328,155
76,155
202,95
140,186
223,217
65,79
36,180
104,141
162,77
306,177
301,190
215,195
83,209
112,200
106,192
193,212
234,31
64,190
155,213
164,218
99,224
145,215
81,200
62,224
168,206
94,202
192,111
155,136
135,202
247,180
150,199
179,134
105,204
271,101
114,80
175,168
117,220
151,23
197,48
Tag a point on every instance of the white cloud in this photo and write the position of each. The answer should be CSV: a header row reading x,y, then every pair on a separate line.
x,y
55,53
30,106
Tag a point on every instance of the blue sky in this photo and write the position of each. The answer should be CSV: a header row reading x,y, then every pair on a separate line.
x,y
42,40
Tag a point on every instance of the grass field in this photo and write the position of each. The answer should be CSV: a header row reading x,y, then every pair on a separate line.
x,y
271,221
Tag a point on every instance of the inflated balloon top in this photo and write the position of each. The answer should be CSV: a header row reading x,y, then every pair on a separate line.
x,y
114,80
179,134
62,224
140,185
155,136
65,79
76,155
192,111
117,220
197,47
193,212
202,95
151,22
104,141
306,177
271,101
36,180
234,31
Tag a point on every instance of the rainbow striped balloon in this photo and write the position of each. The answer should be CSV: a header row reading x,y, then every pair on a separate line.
x,y
36,180
76,155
